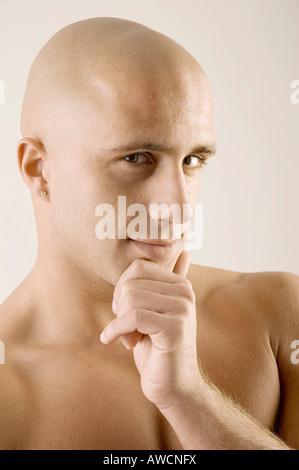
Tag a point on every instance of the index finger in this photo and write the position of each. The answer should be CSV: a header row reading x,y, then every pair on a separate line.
x,y
144,269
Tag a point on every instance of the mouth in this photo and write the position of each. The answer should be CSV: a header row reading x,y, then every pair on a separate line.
x,y
157,248
157,242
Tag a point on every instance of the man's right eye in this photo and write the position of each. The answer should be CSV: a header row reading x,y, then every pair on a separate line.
x,y
134,158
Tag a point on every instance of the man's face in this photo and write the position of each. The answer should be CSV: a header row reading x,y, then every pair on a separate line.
x,y
85,171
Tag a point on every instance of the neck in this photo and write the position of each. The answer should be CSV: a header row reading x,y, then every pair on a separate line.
x,y
70,304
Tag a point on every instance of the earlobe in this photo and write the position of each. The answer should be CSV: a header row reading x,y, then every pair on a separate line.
x,y
31,161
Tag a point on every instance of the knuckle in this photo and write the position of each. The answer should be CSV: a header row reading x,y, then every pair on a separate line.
x,y
137,311
187,291
188,283
184,302
191,295
137,314
127,285
123,288
131,295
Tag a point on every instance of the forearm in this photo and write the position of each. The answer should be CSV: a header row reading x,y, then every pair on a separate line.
x,y
209,420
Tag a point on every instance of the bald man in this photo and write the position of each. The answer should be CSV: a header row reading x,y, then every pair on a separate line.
x,y
120,343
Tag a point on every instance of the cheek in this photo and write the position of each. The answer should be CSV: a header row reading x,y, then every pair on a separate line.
x,y
71,204
75,195
194,188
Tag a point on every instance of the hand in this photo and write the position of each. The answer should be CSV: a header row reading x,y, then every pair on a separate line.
x,y
156,316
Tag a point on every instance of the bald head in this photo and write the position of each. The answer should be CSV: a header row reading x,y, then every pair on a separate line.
x,y
111,108
99,60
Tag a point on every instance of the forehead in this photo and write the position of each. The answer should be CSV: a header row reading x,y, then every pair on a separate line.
x,y
160,105
100,112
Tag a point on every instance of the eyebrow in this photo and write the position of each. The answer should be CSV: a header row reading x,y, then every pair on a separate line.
x,y
209,148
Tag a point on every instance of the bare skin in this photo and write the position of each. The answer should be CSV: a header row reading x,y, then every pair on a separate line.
x,y
85,395
61,387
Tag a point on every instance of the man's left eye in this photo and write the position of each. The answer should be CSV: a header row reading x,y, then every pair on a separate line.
x,y
193,161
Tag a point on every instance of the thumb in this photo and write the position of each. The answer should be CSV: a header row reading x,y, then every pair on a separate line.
x,y
182,265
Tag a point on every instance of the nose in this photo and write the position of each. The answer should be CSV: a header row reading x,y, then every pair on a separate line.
x,y
170,201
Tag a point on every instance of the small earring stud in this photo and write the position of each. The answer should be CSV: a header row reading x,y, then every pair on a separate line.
x,y
43,193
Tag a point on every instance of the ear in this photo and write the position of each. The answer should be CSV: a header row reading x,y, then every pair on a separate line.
x,y
31,162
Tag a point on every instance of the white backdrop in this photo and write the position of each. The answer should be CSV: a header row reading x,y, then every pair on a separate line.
x,y
249,50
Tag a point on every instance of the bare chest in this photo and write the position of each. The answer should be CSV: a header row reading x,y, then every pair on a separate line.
x,y
83,406
86,406
84,401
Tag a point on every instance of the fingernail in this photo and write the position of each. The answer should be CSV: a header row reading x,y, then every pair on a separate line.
x,y
114,307
102,337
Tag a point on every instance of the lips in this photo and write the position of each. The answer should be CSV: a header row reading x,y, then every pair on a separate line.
x,y
157,249
157,242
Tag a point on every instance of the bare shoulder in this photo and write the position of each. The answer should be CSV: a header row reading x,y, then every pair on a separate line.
x,y
276,297
273,288
276,290
269,298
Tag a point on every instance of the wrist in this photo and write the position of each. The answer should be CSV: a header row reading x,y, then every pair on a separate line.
x,y
193,390
188,414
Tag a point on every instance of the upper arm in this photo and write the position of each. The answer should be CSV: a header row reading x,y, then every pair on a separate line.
x,y
287,326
